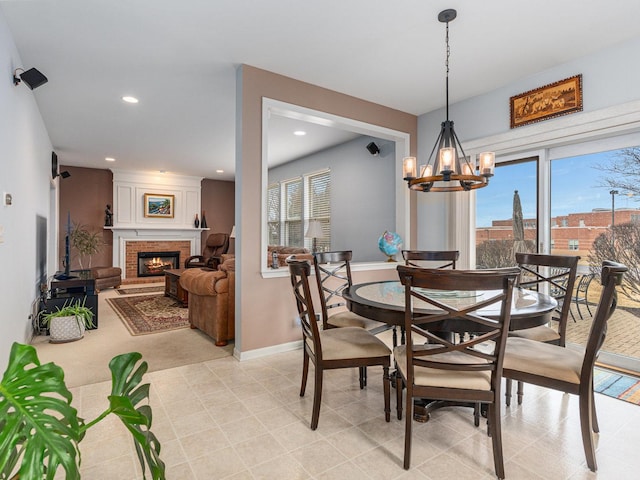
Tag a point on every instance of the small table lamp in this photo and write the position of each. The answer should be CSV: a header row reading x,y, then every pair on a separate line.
x,y
314,231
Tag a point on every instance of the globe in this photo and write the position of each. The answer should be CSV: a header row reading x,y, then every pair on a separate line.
x,y
390,244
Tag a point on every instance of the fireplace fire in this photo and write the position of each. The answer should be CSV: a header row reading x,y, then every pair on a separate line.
x,y
152,264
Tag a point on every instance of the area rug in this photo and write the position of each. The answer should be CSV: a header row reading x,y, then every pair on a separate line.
x,y
132,290
617,385
145,314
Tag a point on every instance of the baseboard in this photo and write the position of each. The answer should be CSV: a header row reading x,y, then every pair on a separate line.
x,y
266,351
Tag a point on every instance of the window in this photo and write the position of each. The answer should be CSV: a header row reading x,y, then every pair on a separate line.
x,y
318,207
273,214
292,218
635,218
574,245
292,203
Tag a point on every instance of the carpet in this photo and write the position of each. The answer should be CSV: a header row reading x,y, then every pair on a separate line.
x,y
617,385
133,290
147,314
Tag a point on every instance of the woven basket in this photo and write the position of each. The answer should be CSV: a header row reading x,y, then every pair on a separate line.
x,y
66,329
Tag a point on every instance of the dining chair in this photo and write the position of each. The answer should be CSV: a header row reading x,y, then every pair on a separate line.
x,y
467,372
333,275
426,259
582,291
412,257
555,275
566,369
346,347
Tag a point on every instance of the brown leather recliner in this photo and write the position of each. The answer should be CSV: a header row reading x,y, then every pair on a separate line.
x,y
212,301
216,245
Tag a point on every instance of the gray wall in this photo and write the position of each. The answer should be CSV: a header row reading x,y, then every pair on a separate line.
x,y
361,183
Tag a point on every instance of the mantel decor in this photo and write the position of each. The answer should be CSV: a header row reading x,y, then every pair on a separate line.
x,y
158,205
553,100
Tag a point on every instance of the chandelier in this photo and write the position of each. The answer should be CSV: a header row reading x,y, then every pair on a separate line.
x,y
448,168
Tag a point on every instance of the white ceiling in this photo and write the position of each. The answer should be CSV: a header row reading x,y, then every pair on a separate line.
x,y
179,58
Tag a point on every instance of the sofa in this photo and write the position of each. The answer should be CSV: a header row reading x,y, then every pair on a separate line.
x,y
283,252
212,300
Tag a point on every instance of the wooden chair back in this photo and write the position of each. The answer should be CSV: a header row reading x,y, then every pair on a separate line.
x,y
611,277
557,273
412,257
333,275
299,271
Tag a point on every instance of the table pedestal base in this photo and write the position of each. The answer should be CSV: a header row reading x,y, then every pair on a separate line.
x,y
423,407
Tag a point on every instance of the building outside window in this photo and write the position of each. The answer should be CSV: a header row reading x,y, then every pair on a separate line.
x,y
574,245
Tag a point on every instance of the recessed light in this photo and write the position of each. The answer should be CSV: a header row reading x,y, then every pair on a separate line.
x,y
110,159
130,99
300,133
219,171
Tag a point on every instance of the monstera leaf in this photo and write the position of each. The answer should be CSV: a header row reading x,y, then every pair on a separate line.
x,y
40,430
126,393
38,426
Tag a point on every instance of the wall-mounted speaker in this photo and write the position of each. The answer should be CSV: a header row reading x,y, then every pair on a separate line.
x,y
373,148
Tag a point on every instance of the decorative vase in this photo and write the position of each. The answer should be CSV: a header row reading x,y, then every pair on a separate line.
x,y
196,222
66,329
203,224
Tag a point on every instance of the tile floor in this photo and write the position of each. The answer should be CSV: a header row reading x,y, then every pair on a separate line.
x,y
225,419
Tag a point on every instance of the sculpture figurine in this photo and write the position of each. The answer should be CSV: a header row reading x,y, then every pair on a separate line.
x,y
108,217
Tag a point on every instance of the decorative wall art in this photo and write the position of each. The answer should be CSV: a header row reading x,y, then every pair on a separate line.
x,y
559,98
158,205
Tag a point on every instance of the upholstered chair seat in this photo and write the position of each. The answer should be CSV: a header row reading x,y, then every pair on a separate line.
x,y
434,377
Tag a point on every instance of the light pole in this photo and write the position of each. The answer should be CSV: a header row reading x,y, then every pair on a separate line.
x,y
613,213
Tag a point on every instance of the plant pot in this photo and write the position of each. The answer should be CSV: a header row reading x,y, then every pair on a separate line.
x,y
66,329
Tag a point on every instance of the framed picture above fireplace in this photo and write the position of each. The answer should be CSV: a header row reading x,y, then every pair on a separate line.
x,y
158,205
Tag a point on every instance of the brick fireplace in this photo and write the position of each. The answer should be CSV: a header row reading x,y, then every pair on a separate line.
x,y
128,242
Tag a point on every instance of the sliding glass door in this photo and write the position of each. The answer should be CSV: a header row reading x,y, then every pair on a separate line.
x,y
595,214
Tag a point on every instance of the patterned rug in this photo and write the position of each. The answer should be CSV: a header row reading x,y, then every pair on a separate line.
x,y
146,314
617,385
132,290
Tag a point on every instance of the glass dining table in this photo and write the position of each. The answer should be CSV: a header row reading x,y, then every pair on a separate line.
x,y
385,302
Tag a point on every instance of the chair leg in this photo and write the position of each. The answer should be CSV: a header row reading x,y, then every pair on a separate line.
x,y
408,421
520,392
507,392
386,381
317,398
586,411
594,416
496,438
305,372
399,395
362,377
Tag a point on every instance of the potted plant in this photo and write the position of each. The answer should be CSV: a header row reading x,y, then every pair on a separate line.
x,y
40,430
85,242
68,323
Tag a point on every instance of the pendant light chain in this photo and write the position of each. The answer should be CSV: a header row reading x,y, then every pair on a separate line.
x,y
448,53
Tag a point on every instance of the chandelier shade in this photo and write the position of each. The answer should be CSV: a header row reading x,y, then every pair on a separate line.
x,y
448,169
